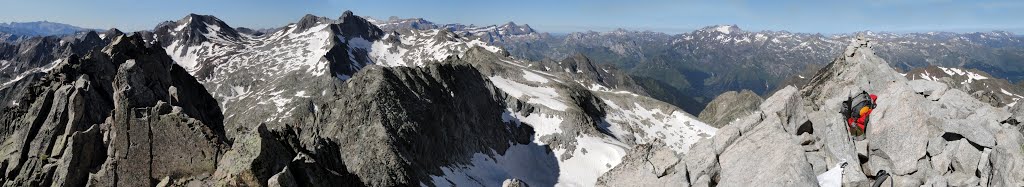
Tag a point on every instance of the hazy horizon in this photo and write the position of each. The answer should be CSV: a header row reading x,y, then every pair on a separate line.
x,y
671,17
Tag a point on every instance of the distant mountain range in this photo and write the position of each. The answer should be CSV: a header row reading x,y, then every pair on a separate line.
x,y
15,31
699,65
689,69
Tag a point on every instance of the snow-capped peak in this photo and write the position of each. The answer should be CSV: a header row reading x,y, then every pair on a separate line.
x,y
724,29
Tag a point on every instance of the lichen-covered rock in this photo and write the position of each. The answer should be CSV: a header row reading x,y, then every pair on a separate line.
x,y
253,160
145,132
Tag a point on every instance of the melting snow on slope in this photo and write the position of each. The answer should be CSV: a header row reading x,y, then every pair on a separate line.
x,y
531,163
592,157
384,55
537,95
44,69
421,46
971,76
187,56
543,124
530,76
678,130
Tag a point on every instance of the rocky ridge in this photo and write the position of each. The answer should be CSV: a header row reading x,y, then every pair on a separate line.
x,y
91,121
922,133
309,103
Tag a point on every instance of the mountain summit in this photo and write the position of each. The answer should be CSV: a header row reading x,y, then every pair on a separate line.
x,y
920,133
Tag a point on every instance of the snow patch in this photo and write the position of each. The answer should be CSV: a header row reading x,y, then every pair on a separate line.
x,y
724,29
531,163
675,128
530,76
543,124
537,95
592,157
971,76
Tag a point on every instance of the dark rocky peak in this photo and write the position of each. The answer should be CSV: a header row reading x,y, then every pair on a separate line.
x,y
194,29
579,63
133,46
348,26
444,35
111,34
511,28
91,36
89,41
465,118
346,15
354,26
309,21
208,24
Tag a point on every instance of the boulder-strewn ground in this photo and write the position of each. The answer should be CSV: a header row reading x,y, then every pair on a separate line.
x,y
922,133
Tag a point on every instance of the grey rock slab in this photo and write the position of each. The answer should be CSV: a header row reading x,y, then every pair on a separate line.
x,y
965,157
1007,159
899,128
766,156
647,165
932,89
835,140
702,160
972,131
936,145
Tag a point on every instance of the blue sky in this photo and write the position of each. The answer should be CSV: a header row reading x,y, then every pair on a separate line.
x,y
672,16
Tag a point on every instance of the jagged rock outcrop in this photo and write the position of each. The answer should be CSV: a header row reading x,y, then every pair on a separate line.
x,y
152,118
29,59
378,118
921,132
729,106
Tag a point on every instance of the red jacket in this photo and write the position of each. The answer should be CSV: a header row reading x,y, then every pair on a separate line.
x,y
861,122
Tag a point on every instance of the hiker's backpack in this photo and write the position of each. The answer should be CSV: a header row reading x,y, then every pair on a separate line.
x,y
851,110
